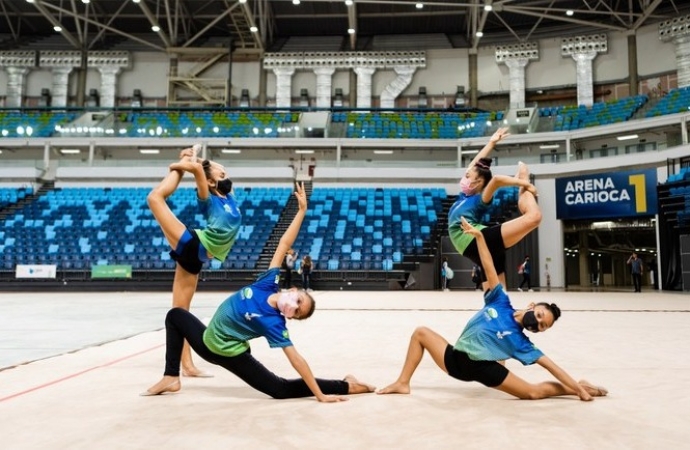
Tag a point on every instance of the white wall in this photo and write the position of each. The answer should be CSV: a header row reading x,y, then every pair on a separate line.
x,y
445,70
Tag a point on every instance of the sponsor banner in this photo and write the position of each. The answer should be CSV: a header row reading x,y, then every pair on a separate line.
x,y
121,271
628,193
35,271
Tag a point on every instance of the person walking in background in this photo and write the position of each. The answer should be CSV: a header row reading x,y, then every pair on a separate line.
x,y
635,264
306,268
477,277
446,274
525,270
290,259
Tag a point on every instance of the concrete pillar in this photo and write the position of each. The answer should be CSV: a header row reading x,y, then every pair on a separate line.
x,y
678,31
516,66
324,78
353,89
474,80
583,49
262,85
60,89
393,90
284,86
633,78
16,85
364,82
108,85
585,81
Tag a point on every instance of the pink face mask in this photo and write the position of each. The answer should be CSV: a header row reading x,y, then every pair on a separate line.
x,y
287,303
466,186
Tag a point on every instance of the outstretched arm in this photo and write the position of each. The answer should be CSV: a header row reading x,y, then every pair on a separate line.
x,y
301,366
562,376
499,181
497,137
293,230
484,254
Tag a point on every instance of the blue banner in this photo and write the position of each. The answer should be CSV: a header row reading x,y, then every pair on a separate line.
x,y
629,193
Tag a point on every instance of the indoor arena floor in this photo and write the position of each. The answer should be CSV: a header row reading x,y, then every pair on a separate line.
x,y
74,365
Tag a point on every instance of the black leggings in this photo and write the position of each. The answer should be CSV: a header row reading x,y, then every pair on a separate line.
x,y
181,324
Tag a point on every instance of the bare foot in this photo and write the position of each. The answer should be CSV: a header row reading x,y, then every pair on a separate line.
x,y
594,391
357,387
396,388
185,164
523,171
193,372
166,384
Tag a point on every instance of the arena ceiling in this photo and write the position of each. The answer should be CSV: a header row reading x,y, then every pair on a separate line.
x,y
319,24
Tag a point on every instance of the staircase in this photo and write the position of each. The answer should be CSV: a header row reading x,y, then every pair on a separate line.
x,y
283,223
11,210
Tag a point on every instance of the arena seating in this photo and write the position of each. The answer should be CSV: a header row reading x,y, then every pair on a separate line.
x,y
75,228
9,196
600,113
677,100
367,228
32,123
206,123
415,125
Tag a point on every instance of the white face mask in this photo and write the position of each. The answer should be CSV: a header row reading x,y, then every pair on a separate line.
x,y
287,303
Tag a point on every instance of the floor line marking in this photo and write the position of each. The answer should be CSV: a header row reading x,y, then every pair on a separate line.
x,y
74,375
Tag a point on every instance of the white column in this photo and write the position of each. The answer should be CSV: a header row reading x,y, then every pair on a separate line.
x,y
585,86
108,85
682,44
516,68
364,76
284,86
15,85
393,90
60,85
323,86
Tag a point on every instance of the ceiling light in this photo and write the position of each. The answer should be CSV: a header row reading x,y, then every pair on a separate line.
x,y
0,151
86,1
29,1
231,150
253,29
383,152
243,1
57,28
351,31
627,137
70,151
296,2
348,2
479,34
155,28
488,7
569,12
419,5
136,1
304,152
549,146
149,151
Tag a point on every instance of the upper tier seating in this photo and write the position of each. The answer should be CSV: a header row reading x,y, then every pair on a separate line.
x,y
601,113
416,125
367,228
677,100
207,123
75,228
32,123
